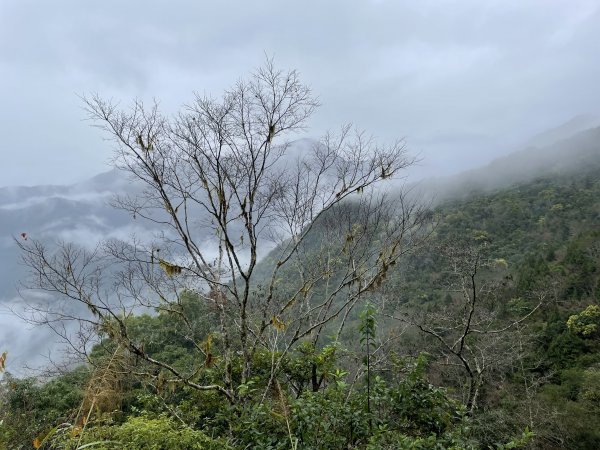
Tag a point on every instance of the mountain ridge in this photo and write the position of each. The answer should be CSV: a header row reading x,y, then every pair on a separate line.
x,y
578,152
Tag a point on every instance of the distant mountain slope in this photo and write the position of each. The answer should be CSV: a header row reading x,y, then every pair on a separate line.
x,y
579,153
79,213
568,129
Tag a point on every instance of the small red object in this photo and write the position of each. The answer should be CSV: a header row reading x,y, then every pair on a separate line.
x,y
24,236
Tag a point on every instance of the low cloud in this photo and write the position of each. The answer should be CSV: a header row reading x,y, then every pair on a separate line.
x,y
398,69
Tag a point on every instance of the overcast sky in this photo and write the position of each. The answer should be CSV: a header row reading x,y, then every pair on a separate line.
x,y
462,81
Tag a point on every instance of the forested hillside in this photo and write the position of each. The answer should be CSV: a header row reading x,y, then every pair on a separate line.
x,y
374,323
395,377
541,241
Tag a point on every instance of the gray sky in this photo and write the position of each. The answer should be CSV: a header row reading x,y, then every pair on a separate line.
x,y
462,81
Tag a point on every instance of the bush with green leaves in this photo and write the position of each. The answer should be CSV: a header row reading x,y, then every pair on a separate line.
x,y
585,323
137,433
30,408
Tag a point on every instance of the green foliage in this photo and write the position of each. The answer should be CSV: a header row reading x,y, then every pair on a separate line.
x,y
160,433
565,349
367,323
589,392
408,408
29,408
309,366
390,440
586,322
367,335
543,235
517,443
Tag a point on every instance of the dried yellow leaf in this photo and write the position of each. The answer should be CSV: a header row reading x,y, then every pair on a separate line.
x,y
170,269
278,324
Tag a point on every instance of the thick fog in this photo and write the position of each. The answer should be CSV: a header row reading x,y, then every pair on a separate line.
x,y
461,81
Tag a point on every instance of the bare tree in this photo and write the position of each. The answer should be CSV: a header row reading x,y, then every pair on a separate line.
x,y
472,331
223,181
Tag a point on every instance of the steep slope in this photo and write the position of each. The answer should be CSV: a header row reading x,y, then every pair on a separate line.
x,y
579,153
577,124
546,234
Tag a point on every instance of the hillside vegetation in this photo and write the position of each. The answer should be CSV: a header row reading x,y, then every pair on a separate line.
x,y
374,323
387,382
